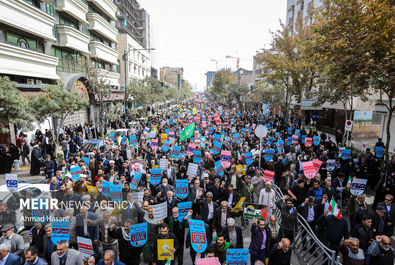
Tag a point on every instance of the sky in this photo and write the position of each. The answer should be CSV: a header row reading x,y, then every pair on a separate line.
x,y
190,34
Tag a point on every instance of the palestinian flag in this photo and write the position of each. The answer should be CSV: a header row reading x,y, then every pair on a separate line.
x,y
334,209
67,174
264,212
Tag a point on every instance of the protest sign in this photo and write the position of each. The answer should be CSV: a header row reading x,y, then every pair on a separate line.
x,y
175,153
295,139
75,172
197,156
379,151
156,176
236,256
138,196
133,140
268,176
330,164
216,147
85,247
197,232
191,148
208,261
164,164
239,206
217,137
129,153
160,211
317,164
225,158
92,190
289,130
218,168
166,146
192,169
240,169
308,141
289,141
39,216
87,160
269,153
182,189
154,144
135,180
106,188
183,208
346,153
253,211
164,247
316,140
116,193
138,234
12,182
248,158
60,231
236,138
163,137
358,186
308,168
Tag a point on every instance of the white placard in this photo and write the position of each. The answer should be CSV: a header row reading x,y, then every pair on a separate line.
x,y
330,164
160,211
192,169
12,182
164,163
138,197
129,154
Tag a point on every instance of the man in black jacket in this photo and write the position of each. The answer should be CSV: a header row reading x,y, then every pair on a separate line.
x,y
207,209
233,234
364,232
289,217
281,253
164,234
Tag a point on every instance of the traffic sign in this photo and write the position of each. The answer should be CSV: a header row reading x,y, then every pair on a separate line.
x,y
348,126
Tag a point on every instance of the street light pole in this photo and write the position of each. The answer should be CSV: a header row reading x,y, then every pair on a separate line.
x,y
125,60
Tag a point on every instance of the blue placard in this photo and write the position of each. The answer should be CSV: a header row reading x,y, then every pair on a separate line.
x,y
346,154
290,130
167,131
237,138
203,142
277,135
60,231
197,232
182,189
87,160
316,140
210,130
217,137
248,158
12,182
270,140
280,144
289,140
269,153
133,140
106,188
268,126
175,153
197,156
219,168
304,138
116,193
156,176
166,146
111,135
135,181
379,151
75,172
216,147
138,234
237,256
183,208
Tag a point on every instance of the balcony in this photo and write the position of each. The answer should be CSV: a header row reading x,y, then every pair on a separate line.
x,y
103,52
72,38
75,8
112,78
21,15
100,25
107,7
24,62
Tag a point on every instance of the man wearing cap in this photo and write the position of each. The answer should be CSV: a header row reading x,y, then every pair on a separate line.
x,y
233,233
15,240
379,220
6,257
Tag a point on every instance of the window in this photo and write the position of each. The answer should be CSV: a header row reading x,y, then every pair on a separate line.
x,y
33,3
84,29
21,41
68,61
49,8
67,22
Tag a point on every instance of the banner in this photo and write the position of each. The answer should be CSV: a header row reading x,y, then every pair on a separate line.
x,y
75,172
379,151
308,141
308,168
198,235
39,216
239,206
106,188
225,158
218,168
183,208
187,132
164,164
269,153
295,139
208,261
60,231
116,193
289,130
358,186
175,153
163,137
160,211
154,144
235,256
138,234
12,182
240,169
164,246
289,141
317,164
133,140
316,140
268,176
248,158
135,181
330,164
217,137
190,149
166,146
253,211
197,156
192,169
87,160
346,154
92,190
85,247
156,176
182,189
216,147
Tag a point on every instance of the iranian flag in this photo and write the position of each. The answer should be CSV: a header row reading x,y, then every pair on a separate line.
x,y
66,174
334,209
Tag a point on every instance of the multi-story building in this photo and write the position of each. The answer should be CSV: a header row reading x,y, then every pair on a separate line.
x,y
244,77
209,78
301,10
172,75
45,42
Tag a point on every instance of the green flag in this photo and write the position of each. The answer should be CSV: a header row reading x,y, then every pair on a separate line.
x,y
188,132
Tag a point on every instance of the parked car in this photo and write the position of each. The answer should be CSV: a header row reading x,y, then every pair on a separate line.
x,y
92,144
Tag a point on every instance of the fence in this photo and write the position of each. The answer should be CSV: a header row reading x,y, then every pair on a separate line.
x,y
307,247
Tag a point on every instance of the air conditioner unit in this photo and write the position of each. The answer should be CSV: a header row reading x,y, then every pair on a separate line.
x,y
39,82
30,81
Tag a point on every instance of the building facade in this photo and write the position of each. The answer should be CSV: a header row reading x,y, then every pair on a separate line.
x,y
209,78
173,76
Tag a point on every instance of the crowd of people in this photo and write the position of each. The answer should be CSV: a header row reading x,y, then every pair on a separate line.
x,y
361,237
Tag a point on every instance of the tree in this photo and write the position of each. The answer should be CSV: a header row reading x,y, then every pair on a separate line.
x,y
353,44
271,93
14,107
56,101
114,111
221,83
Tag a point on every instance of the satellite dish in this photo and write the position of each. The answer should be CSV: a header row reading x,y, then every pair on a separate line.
x,y
260,131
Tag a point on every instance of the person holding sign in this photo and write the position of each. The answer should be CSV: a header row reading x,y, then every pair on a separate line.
x,y
167,248
260,238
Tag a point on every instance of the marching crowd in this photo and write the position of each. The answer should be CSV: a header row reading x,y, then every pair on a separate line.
x,y
216,190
